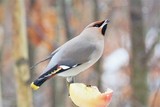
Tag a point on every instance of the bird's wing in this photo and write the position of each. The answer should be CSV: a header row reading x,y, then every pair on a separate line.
x,y
77,54
72,55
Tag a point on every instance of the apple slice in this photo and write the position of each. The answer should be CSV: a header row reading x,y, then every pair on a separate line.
x,y
89,96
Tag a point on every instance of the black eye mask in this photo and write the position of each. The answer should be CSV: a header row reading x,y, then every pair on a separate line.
x,y
98,24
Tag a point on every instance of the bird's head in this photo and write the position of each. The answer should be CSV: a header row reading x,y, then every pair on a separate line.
x,y
99,26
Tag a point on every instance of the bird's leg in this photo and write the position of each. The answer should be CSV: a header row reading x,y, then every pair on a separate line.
x,y
69,80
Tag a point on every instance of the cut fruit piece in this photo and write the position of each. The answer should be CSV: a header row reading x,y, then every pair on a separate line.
x,y
89,96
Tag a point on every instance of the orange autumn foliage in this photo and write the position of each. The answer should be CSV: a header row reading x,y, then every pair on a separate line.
x,y
42,25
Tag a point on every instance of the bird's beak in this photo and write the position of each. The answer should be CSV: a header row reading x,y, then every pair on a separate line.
x,y
104,26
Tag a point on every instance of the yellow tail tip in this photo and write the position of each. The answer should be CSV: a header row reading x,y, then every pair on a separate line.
x,y
34,87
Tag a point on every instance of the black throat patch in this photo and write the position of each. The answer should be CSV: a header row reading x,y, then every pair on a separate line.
x,y
104,29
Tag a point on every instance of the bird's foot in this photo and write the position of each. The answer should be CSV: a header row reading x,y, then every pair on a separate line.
x,y
69,81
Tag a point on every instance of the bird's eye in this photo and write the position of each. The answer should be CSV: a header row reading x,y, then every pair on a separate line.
x,y
96,25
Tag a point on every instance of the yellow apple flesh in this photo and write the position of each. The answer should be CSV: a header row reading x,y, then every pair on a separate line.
x,y
89,96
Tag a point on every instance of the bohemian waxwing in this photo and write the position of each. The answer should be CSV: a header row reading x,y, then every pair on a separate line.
x,y
76,55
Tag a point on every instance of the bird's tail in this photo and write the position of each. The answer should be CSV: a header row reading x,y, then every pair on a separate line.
x,y
43,60
45,76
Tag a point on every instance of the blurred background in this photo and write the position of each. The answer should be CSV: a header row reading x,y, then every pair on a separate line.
x,y
31,29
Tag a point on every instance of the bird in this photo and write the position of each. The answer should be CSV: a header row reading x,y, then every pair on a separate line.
x,y
76,55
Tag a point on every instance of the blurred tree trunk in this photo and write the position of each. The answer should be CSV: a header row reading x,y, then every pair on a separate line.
x,y
0,81
98,68
0,94
21,67
1,51
1,43
139,66
60,83
65,17
95,10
